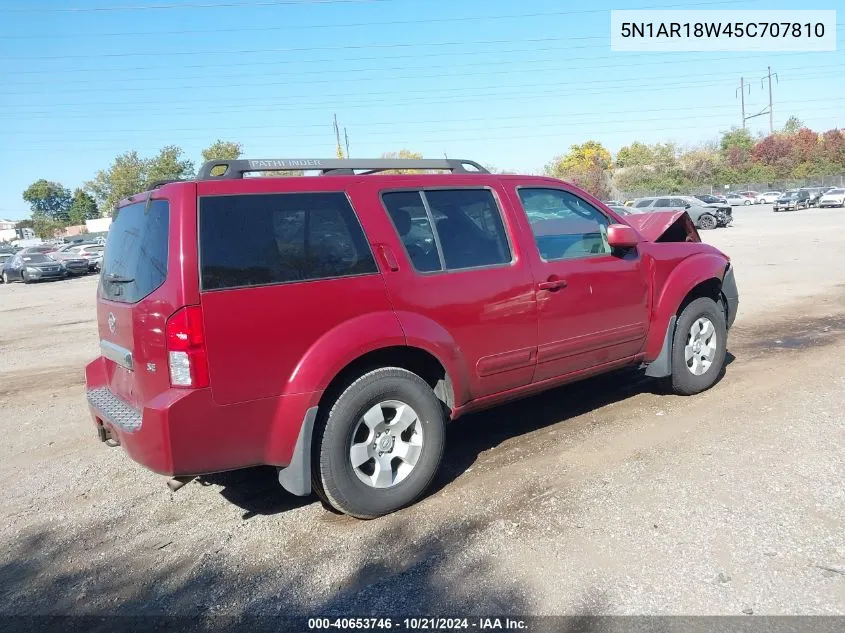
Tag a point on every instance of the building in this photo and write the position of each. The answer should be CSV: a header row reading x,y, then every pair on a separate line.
x,y
5,225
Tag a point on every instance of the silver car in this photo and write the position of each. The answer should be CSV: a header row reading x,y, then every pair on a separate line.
x,y
703,215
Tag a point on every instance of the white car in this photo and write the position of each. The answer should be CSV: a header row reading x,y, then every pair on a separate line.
x,y
769,197
833,198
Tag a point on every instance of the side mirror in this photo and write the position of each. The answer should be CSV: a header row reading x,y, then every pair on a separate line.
x,y
687,206
621,236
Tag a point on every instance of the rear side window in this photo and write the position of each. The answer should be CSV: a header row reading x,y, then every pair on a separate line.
x,y
643,203
254,240
450,229
135,258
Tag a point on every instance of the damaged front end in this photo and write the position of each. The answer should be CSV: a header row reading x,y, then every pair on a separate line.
x,y
665,226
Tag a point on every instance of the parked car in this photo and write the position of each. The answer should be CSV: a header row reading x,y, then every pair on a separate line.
x,y
769,197
91,253
703,215
736,199
613,203
332,325
708,198
28,267
621,209
815,194
4,257
833,198
42,249
792,201
751,195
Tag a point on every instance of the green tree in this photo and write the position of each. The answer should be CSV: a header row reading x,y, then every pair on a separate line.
x,y
48,200
586,165
168,165
45,227
635,155
82,207
736,137
124,177
25,224
223,150
792,125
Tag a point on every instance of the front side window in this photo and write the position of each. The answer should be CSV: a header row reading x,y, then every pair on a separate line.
x,y
643,203
663,203
564,225
253,240
450,229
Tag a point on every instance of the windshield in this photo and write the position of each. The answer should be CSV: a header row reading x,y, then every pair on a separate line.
x,y
135,257
35,258
835,192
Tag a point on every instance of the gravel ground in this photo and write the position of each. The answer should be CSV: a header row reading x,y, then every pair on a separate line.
x,y
603,497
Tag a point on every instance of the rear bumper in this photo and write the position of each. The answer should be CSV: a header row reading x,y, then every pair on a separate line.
x,y
184,432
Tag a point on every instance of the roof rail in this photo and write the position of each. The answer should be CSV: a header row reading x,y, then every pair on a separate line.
x,y
235,169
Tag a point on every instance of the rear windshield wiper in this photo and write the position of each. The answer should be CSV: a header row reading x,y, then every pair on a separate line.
x,y
118,279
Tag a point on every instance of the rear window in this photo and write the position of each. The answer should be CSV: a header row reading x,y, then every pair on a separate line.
x,y
135,258
254,240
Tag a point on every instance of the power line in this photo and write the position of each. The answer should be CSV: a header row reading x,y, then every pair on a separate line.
x,y
271,3
436,134
391,94
382,123
186,5
486,73
303,49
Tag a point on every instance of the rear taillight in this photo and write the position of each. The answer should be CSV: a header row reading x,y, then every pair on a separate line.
x,y
186,355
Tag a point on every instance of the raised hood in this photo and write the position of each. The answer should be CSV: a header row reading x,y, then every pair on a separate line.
x,y
664,226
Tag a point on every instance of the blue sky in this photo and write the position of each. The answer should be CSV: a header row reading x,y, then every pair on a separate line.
x,y
505,83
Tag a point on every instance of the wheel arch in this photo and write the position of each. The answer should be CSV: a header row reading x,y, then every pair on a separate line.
x,y
695,277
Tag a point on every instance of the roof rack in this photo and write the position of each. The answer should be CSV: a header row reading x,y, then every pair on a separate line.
x,y
235,169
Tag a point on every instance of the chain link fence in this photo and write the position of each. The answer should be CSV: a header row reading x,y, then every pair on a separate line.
x,y
722,188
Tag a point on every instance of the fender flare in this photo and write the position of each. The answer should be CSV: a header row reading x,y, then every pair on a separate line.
x,y
691,272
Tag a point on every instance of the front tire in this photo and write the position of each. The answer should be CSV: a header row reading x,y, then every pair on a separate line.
x,y
25,277
707,222
699,346
381,444
5,277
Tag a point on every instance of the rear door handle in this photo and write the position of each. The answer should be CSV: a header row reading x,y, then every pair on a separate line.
x,y
552,284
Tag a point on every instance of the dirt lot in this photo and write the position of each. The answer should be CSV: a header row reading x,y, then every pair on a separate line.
x,y
602,497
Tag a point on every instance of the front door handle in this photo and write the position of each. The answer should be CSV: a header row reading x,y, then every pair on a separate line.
x,y
552,284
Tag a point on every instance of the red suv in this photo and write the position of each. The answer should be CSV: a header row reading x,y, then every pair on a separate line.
x,y
332,325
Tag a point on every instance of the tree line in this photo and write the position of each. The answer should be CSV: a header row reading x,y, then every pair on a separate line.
x,y
794,152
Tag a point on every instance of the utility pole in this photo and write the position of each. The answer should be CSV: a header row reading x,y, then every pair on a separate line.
x,y
346,141
338,148
742,96
771,114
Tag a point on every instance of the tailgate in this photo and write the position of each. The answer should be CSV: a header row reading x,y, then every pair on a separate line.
x,y
134,303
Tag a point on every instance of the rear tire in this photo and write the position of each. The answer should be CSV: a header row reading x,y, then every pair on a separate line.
x,y
381,444
698,347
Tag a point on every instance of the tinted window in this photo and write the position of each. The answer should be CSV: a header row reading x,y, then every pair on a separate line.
x,y
663,202
35,258
467,224
254,240
643,203
677,202
564,225
135,259
410,219
469,228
